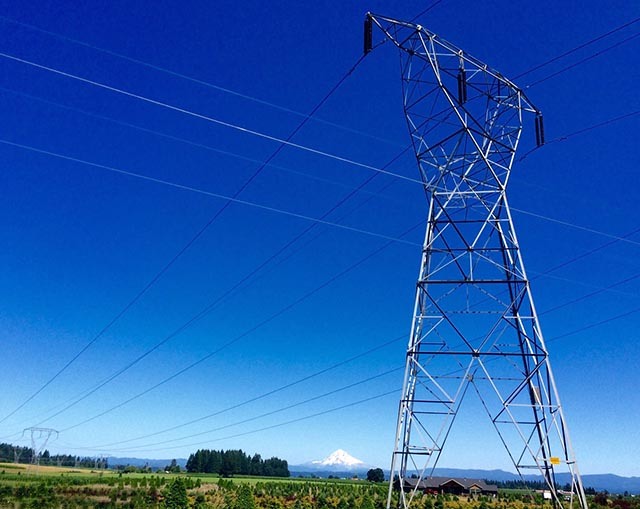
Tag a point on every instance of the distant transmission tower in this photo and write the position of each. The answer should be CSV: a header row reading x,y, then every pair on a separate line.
x,y
39,440
475,325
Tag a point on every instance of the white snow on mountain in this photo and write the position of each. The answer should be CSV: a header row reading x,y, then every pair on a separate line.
x,y
339,458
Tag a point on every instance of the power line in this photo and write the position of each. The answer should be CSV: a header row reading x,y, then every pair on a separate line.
x,y
191,241
318,414
279,425
577,227
261,396
262,273
597,324
204,83
590,252
580,46
568,223
592,127
180,139
582,283
213,120
592,294
318,373
204,192
323,371
229,343
316,221
583,130
263,415
423,12
582,61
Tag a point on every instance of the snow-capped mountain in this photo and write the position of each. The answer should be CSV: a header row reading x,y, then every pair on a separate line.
x,y
338,462
340,459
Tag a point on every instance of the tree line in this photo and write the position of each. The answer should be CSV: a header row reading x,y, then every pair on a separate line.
x,y
235,462
16,454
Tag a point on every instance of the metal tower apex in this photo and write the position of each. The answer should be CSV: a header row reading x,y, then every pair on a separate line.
x,y
449,93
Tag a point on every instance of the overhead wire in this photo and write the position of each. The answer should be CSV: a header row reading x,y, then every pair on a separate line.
x,y
582,61
191,79
264,395
592,294
576,48
617,238
181,140
211,119
263,415
569,223
292,421
563,264
184,188
583,130
341,407
232,341
577,227
189,243
592,127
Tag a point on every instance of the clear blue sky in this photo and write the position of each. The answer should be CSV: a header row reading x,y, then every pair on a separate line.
x,y
79,241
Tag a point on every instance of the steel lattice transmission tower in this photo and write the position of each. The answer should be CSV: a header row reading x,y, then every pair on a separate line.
x,y
475,325
39,440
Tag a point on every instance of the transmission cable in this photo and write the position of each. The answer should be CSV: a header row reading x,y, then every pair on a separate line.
x,y
565,137
204,83
191,241
229,343
259,397
260,416
210,119
179,139
592,127
592,294
423,12
279,425
578,227
335,409
582,61
207,309
580,46
560,221
313,375
323,371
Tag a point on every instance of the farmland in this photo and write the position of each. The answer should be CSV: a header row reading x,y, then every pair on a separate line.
x,y
26,487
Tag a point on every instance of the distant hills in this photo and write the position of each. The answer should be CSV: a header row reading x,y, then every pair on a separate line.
x,y
144,462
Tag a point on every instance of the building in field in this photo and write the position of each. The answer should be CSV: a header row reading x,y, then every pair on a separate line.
x,y
452,486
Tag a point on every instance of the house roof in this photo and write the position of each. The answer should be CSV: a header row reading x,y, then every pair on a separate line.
x,y
440,482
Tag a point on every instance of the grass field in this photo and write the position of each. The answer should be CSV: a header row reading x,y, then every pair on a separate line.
x,y
49,487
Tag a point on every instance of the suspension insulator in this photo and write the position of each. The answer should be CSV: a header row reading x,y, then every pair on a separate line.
x,y
368,34
462,86
539,130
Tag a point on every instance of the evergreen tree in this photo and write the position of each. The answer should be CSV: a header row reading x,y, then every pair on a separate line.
x,y
175,495
244,498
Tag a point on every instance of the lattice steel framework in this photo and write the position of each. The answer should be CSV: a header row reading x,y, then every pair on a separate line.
x,y
475,324
39,440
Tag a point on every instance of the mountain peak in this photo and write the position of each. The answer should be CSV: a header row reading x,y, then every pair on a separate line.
x,y
339,458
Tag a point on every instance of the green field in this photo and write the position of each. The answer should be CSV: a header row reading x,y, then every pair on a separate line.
x,y
30,487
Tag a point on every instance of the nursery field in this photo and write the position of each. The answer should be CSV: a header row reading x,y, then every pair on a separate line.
x,y
30,487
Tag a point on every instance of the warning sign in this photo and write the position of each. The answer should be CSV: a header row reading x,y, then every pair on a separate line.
x,y
555,460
